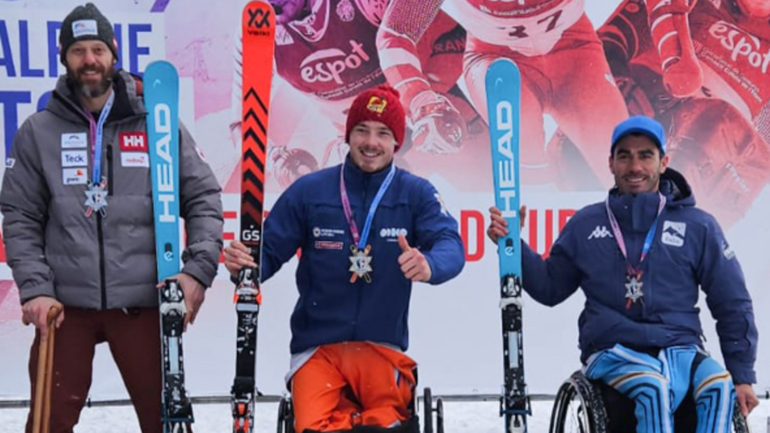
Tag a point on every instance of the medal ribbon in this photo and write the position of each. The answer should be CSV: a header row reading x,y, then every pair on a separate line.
x,y
357,239
97,131
647,240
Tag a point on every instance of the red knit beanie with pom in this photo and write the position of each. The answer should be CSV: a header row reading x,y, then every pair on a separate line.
x,y
381,104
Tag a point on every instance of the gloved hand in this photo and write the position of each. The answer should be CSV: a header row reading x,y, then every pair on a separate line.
x,y
437,126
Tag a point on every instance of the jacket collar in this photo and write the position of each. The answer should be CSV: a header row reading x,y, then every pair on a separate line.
x,y
356,179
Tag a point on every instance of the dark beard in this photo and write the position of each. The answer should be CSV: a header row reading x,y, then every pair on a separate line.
x,y
90,90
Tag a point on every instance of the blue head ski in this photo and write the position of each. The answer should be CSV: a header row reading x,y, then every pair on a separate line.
x,y
503,92
161,97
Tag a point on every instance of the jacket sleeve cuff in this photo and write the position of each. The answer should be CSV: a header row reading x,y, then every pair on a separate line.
x,y
45,289
743,375
433,277
192,269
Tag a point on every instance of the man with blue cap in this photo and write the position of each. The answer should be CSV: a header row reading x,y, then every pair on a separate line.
x,y
640,257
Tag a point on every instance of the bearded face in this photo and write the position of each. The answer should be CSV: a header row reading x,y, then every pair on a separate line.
x,y
90,68
92,81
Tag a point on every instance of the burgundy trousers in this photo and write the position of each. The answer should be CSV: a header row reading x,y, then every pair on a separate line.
x,y
133,337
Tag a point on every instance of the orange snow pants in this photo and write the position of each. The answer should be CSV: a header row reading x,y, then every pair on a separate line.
x,y
352,383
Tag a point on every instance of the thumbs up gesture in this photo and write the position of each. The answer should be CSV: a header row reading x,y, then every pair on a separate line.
x,y
412,261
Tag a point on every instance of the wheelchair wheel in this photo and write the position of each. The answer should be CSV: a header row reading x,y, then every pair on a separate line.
x,y
578,408
439,415
740,424
285,416
427,410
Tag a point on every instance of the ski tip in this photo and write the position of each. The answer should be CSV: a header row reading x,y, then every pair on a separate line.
x,y
501,69
160,69
258,18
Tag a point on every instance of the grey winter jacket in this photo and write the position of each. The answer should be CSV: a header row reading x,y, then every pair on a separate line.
x,y
94,262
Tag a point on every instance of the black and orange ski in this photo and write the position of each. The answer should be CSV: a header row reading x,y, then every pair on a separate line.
x,y
258,41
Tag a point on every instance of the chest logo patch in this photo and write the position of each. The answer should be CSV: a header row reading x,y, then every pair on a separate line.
x,y
673,233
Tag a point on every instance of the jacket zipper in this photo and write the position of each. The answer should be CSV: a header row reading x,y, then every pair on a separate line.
x,y
101,259
109,170
100,231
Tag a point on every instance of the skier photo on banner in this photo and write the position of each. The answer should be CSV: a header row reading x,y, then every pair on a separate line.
x,y
562,65
326,53
640,257
78,225
700,68
367,231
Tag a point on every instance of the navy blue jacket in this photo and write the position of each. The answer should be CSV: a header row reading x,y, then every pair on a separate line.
x,y
309,215
689,251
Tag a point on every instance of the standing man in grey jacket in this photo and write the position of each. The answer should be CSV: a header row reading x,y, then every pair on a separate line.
x,y
78,224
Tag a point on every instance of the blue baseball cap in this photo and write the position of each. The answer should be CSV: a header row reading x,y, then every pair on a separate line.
x,y
640,125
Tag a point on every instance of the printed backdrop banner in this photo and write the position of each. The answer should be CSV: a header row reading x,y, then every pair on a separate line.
x,y
585,66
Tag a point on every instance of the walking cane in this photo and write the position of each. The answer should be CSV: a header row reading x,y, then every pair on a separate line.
x,y
41,416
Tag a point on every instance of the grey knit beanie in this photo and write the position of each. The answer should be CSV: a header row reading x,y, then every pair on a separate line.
x,y
84,23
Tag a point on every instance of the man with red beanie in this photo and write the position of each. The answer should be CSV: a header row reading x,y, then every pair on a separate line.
x,y
367,230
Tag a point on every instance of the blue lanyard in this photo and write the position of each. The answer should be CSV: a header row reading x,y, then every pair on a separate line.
x,y
360,241
97,136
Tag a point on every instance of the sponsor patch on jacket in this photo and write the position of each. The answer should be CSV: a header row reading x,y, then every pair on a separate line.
x,y
134,159
390,234
328,245
133,141
10,162
74,176
84,28
74,140
727,250
74,158
673,233
320,232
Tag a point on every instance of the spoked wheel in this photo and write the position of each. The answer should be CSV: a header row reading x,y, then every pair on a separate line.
x,y
285,416
578,408
740,424
427,410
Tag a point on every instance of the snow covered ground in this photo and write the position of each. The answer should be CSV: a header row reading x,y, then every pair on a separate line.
x,y
460,417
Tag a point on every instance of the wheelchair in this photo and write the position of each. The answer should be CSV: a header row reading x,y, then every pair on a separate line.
x,y
580,406
430,410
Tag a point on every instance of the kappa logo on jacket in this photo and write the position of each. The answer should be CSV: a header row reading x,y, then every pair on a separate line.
x,y
600,232
673,233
